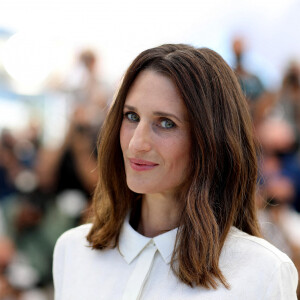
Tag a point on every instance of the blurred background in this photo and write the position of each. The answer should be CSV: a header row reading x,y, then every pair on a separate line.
x,y
60,65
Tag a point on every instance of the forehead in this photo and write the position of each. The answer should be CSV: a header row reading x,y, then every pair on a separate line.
x,y
152,89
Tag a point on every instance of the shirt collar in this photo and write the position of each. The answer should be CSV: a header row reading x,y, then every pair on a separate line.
x,y
131,243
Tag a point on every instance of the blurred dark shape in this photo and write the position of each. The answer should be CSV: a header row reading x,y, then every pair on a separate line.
x,y
279,161
250,83
9,164
73,166
88,58
291,81
77,165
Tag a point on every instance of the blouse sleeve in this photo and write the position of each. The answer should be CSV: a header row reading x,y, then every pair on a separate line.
x,y
283,283
58,267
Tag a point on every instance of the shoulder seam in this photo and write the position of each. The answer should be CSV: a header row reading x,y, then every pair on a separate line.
x,y
70,231
283,257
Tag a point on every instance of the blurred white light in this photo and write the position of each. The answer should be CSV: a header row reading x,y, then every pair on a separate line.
x,y
71,202
13,114
271,27
28,58
26,181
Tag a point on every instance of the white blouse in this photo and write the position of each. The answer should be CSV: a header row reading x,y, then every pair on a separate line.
x,y
140,269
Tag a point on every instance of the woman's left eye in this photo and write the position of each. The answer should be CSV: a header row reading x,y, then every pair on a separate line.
x,y
132,116
167,124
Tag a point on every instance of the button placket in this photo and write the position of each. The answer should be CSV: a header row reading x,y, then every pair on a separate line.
x,y
141,272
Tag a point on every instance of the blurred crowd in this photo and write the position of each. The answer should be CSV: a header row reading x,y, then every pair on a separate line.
x,y
45,191
276,119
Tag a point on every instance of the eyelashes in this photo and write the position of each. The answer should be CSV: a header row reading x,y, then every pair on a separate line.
x,y
162,122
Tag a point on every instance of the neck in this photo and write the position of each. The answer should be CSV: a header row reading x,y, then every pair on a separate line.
x,y
158,215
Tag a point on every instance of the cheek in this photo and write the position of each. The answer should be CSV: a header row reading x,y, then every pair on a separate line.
x,y
179,154
124,137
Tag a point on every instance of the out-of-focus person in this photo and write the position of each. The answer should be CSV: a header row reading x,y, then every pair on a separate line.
x,y
86,88
250,83
288,100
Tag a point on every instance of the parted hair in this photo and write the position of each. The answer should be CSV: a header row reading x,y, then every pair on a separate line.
x,y
220,188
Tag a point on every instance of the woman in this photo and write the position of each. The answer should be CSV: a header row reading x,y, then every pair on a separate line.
x,y
174,214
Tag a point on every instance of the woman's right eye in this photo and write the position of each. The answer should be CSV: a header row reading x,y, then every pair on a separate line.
x,y
132,116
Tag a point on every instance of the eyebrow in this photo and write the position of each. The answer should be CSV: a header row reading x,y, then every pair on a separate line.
x,y
156,113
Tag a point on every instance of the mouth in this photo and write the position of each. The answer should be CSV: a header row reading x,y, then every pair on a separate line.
x,y
141,165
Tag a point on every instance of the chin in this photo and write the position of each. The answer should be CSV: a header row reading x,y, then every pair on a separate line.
x,y
140,188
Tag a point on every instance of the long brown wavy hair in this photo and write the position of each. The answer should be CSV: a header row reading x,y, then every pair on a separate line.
x,y
221,184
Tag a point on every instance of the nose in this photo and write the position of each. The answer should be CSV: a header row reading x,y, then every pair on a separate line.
x,y
141,138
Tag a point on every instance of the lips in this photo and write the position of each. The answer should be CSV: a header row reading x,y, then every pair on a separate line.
x,y
141,165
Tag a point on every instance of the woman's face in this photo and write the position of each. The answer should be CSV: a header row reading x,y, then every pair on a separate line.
x,y
154,135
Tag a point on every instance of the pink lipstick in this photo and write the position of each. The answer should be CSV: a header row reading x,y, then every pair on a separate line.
x,y
141,165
